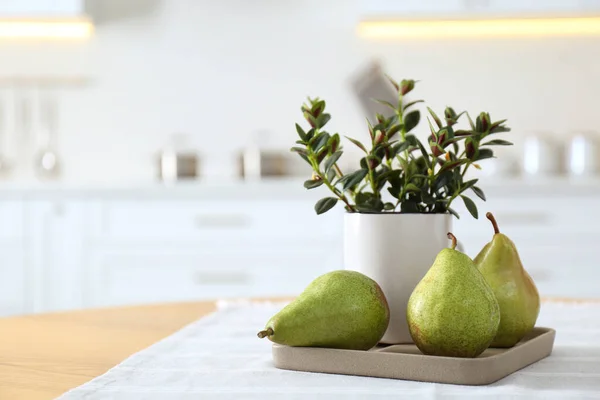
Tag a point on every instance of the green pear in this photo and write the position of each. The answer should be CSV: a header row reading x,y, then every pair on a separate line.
x,y
340,309
453,312
517,295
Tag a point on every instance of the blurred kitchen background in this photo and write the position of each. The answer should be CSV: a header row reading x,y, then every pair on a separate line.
x,y
144,144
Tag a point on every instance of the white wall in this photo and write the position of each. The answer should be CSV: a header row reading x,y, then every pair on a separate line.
x,y
221,70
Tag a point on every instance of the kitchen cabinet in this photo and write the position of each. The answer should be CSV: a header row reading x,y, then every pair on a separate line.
x,y
56,248
13,273
161,250
555,238
70,249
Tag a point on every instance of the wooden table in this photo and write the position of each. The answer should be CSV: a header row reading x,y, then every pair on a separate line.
x,y
43,356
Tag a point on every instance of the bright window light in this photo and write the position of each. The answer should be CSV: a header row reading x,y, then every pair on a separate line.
x,y
478,28
46,29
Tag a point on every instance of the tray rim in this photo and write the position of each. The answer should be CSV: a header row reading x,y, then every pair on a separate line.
x,y
546,334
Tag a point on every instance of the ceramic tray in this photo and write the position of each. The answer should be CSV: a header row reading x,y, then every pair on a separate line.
x,y
405,361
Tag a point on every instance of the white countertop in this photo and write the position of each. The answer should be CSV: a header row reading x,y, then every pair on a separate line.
x,y
274,188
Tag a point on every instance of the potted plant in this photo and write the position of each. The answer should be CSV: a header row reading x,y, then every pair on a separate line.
x,y
399,199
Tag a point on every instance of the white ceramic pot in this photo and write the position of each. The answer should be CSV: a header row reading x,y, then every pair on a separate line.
x,y
395,250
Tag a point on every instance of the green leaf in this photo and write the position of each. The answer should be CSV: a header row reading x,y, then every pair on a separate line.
x,y
311,120
406,86
470,204
409,207
432,129
379,151
403,164
320,141
442,180
305,158
462,132
425,154
385,103
471,122
325,204
412,140
497,142
450,114
351,180
373,162
389,206
321,154
331,160
453,212
302,153
317,106
498,123
369,202
301,132
357,143
434,146
393,130
395,178
393,82
412,103
394,191
313,183
483,154
398,148
455,139
435,118
411,120
427,198
333,144
299,150
500,129
457,178
478,192
411,187
468,184
322,120
363,163
330,175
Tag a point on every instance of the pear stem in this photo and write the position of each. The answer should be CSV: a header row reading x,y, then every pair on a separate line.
x,y
453,238
490,216
265,333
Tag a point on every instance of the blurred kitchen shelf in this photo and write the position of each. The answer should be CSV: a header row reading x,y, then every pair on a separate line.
x,y
279,188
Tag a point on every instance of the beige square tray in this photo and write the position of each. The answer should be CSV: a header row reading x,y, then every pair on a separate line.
x,y
405,361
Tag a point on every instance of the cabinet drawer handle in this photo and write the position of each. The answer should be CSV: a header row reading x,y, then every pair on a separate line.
x,y
222,221
220,278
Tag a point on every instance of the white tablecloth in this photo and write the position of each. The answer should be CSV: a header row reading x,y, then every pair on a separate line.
x,y
220,357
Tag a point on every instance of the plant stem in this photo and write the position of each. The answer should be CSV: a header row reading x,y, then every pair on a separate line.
x,y
372,179
490,216
264,333
467,165
339,174
454,196
323,177
337,193
338,171
453,238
